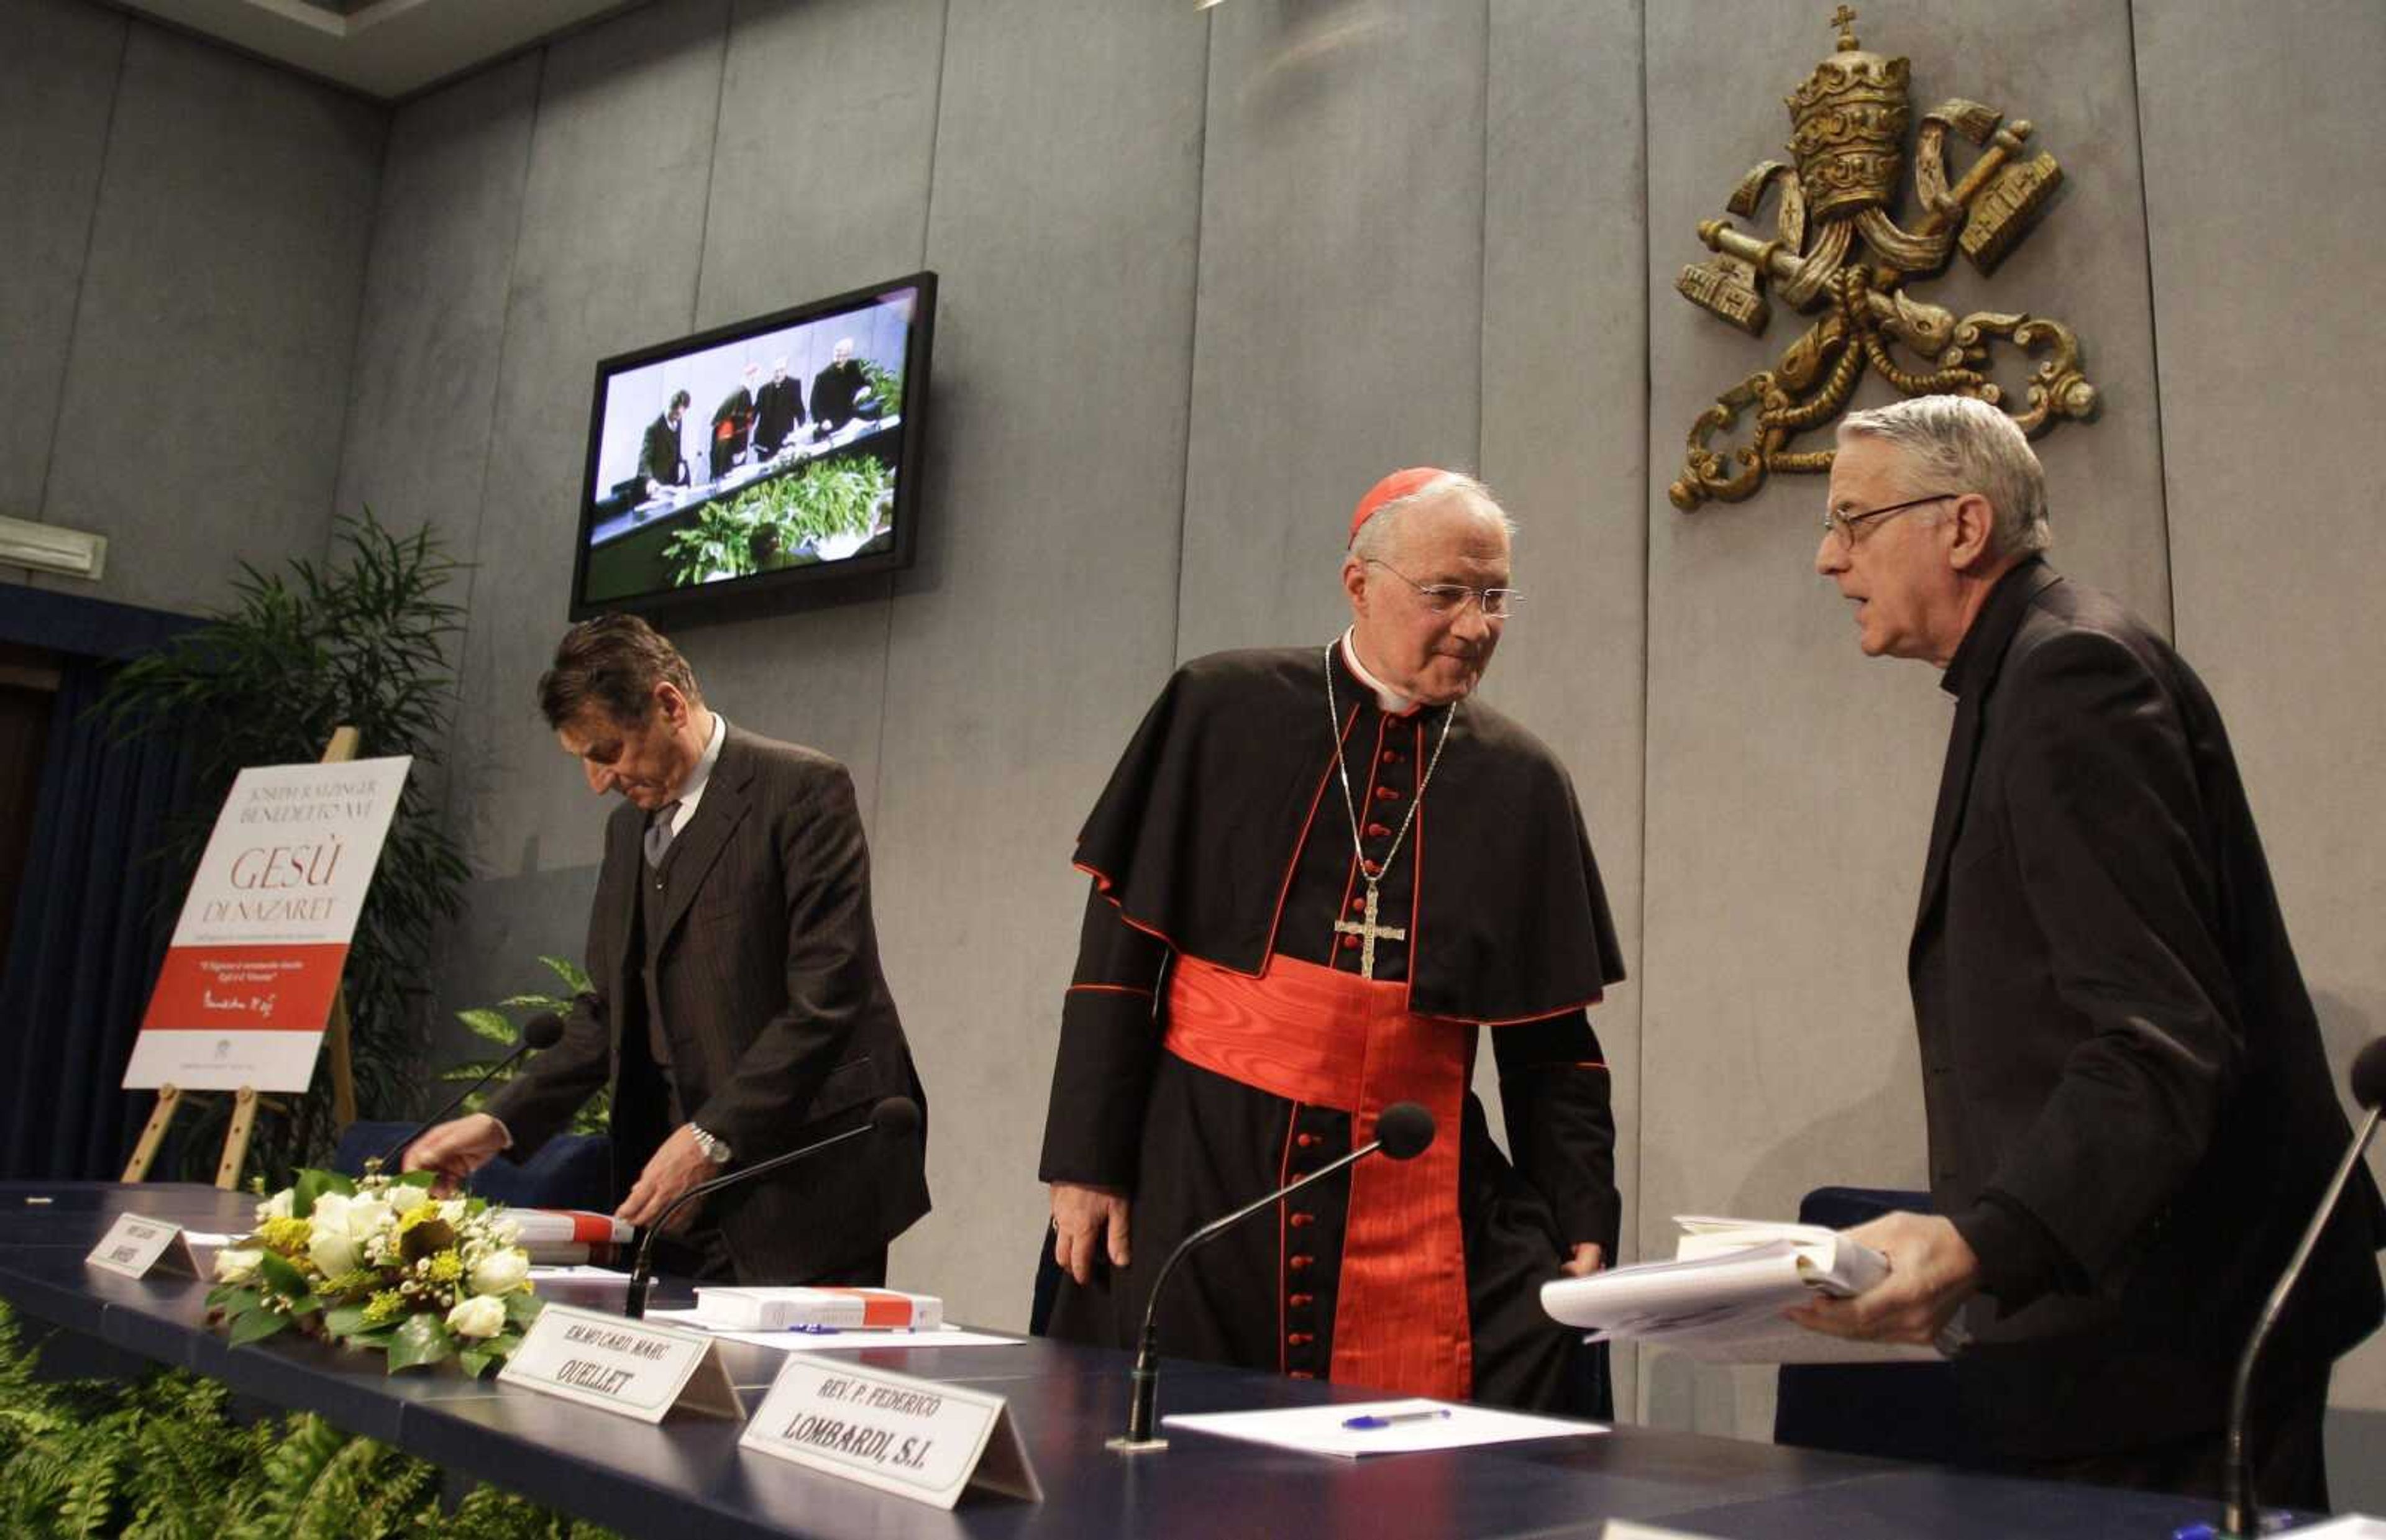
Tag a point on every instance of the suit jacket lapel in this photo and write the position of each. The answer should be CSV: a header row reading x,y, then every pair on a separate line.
x,y
617,888
699,844
1998,623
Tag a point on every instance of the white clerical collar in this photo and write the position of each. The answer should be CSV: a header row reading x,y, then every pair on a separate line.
x,y
692,792
1391,700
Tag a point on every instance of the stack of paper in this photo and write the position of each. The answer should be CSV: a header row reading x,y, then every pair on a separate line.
x,y
1353,1430
568,1236
1721,1297
776,1310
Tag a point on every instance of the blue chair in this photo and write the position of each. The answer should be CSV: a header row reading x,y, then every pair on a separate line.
x,y
571,1171
1903,1412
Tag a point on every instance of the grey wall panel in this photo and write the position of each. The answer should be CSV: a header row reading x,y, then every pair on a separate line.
x,y
59,66
1565,434
1340,299
434,312
610,229
204,394
1037,624
1789,781
820,184
2272,309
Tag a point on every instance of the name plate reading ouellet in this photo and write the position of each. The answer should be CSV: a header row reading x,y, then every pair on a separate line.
x,y
634,1368
915,1438
135,1247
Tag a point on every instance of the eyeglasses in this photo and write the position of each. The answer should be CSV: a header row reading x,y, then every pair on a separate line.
x,y
1844,525
1449,598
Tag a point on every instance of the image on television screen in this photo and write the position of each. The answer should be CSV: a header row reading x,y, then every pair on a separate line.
x,y
773,449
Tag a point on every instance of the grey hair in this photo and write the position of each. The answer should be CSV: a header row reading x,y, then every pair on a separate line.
x,y
1962,444
1379,533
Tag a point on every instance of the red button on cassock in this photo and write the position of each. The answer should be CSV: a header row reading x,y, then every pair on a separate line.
x,y
1297,1220
1303,1141
1350,944
1391,757
1357,905
1299,1339
1378,831
1386,793
1298,1264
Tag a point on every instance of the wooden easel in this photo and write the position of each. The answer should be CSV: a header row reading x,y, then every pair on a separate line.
x,y
244,1101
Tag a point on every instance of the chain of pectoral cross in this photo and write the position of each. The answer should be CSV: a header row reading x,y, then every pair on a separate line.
x,y
1367,930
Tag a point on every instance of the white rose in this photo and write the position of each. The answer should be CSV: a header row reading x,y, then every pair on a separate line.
x,y
366,1215
275,1208
500,1271
331,1211
480,1316
333,1250
236,1265
405,1198
452,1210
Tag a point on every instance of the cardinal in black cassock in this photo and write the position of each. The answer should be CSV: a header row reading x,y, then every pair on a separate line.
x,y
1317,872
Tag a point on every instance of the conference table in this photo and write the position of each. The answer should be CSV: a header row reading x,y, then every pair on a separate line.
x,y
688,1476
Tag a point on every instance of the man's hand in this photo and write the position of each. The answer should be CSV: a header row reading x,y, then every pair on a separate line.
x,y
1087,1220
1932,1273
1589,1257
670,1170
455,1150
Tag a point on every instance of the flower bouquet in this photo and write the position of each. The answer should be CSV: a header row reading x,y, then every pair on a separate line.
x,y
378,1262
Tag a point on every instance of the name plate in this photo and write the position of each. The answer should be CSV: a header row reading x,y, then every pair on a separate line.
x,y
634,1368
915,1438
135,1247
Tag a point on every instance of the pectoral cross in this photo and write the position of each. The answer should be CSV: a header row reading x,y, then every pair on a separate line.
x,y
1367,930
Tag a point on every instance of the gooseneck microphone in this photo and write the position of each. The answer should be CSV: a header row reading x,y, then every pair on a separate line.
x,y
1402,1132
2240,1515
896,1116
543,1030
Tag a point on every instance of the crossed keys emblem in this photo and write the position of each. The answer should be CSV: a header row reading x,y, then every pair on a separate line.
x,y
1839,253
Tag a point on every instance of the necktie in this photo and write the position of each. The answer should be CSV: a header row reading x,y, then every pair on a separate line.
x,y
659,831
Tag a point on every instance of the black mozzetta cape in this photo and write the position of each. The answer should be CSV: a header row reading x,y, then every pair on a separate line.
x,y
1196,836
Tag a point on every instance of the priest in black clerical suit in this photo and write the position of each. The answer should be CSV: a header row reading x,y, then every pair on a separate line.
x,y
778,410
1317,874
739,1010
2130,1108
841,392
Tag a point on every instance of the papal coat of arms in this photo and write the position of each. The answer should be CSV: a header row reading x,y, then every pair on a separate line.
x,y
1840,254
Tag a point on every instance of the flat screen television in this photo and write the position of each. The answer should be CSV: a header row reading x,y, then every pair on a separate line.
x,y
775,452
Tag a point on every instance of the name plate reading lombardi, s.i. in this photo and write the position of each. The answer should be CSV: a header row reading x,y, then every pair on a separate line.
x,y
133,1245
634,1368
916,1438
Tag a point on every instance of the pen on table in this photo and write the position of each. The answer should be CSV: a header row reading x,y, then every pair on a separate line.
x,y
810,1330
1393,1418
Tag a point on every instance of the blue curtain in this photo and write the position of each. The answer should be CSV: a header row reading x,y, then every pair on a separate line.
x,y
91,928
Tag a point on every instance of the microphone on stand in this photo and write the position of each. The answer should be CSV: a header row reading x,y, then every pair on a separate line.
x,y
543,1030
1402,1132
2240,1515
895,1117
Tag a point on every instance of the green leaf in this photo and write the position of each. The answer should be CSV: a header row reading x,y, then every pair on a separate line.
x,y
488,1023
257,1325
575,977
347,1321
281,1275
312,1184
522,1309
420,1339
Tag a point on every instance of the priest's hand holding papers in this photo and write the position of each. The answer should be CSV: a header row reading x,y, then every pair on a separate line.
x,y
1722,1295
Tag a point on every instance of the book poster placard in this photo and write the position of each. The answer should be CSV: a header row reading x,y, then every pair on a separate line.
x,y
248,985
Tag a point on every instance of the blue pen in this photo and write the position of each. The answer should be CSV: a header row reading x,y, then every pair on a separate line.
x,y
1370,1420
811,1331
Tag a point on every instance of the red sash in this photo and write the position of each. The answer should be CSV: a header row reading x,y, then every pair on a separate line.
x,y
1312,1034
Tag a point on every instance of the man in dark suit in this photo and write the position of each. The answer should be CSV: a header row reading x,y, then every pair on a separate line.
x,y
778,410
659,457
739,1010
2131,1113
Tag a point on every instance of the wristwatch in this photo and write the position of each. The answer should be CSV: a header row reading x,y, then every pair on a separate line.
x,y
714,1149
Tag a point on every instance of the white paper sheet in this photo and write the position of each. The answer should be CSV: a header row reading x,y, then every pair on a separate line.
x,y
840,1341
1325,1429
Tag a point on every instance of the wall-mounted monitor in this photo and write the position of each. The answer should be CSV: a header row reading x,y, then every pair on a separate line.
x,y
775,452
